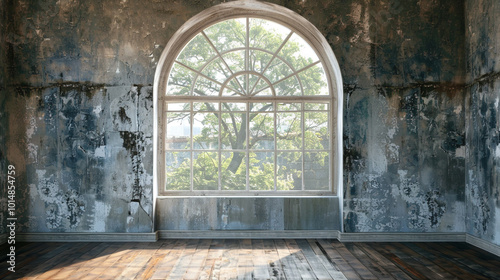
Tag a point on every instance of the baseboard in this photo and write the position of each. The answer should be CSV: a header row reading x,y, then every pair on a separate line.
x,y
3,238
87,237
483,244
247,234
402,237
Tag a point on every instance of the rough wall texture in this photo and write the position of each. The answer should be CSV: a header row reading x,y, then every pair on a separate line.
x,y
79,109
483,116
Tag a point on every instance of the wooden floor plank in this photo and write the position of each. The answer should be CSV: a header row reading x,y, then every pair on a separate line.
x,y
448,263
305,270
372,264
314,262
334,272
254,259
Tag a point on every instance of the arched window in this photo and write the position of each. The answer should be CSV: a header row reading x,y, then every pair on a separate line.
x,y
249,98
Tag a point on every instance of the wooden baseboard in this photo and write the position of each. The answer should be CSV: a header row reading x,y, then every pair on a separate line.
x,y
483,244
402,237
87,237
248,234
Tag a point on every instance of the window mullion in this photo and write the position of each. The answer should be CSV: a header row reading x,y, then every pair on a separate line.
x,y
247,150
302,122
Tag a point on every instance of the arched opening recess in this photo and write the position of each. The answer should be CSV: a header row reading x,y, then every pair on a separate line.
x,y
243,87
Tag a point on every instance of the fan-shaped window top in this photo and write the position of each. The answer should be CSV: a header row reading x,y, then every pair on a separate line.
x,y
248,107
247,57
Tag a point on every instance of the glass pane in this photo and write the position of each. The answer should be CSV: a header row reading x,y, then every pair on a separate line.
x,y
228,34
261,131
178,170
259,60
314,81
277,70
266,35
196,53
205,131
178,131
317,106
316,171
230,92
288,87
233,130
261,171
261,107
205,171
217,71
233,171
235,60
289,106
180,80
316,134
289,171
298,52
206,87
262,89
178,106
205,106
289,129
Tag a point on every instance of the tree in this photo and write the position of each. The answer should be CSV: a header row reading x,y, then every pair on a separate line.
x,y
283,136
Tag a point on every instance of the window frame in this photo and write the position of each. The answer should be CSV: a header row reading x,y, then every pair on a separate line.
x,y
280,15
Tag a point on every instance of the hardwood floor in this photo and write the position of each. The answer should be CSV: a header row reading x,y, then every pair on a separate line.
x,y
250,259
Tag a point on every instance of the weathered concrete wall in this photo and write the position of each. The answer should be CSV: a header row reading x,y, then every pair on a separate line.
x,y
404,125
79,109
483,119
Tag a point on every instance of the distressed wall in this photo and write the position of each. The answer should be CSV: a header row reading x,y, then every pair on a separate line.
x,y
482,123
79,124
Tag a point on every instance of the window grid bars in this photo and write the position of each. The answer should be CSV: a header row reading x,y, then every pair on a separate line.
x,y
247,149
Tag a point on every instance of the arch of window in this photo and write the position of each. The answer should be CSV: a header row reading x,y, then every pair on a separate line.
x,y
231,84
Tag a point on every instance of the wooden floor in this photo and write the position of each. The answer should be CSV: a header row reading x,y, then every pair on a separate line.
x,y
250,259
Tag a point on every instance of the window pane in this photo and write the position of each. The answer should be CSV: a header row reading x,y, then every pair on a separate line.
x,y
261,171
178,170
316,171
277,70
205,171
205,106
298,53
233,171
205,131
314,81
289,106
259,60
217,70
233,127
262,131
288,87
196,53
289,171
267,35
178,131
235,60
180,80
316,132
206,87
227,35
289,129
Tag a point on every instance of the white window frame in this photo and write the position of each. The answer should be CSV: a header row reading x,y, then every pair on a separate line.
x,y
280,15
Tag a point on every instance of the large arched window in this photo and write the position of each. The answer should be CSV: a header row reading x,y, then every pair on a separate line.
x,y
249,97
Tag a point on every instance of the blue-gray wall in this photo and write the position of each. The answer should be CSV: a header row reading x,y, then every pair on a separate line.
x,y
483,119
77,111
